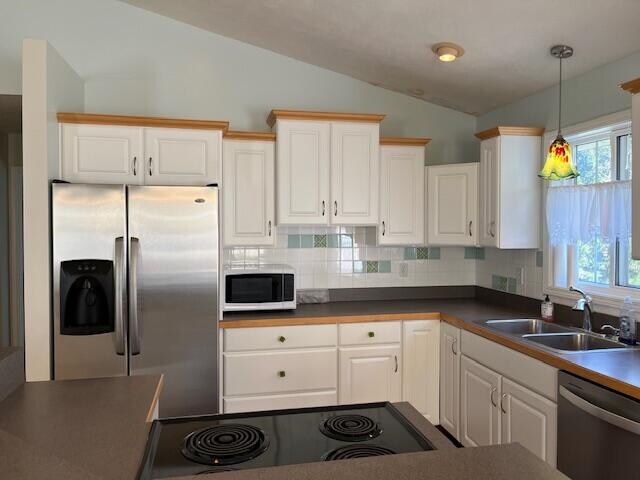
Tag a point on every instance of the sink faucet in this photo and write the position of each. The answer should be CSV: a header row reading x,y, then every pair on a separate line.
x,y
583,305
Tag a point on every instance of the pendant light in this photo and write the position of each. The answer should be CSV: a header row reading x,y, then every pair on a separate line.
x,y
558,165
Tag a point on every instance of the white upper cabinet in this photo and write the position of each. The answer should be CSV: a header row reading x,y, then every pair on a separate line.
x,y
248,192
633,87
102,154
510,190
355,173
327,168
302,173
402,209
175,156
452,194
111,149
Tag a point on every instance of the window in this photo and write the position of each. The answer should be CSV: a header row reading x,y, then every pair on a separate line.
x,y
597,265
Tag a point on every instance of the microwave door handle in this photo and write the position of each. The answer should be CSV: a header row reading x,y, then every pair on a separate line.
x,y
600,413
120,297
134,321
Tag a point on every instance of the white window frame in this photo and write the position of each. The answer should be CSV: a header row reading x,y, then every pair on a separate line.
x,y
559,262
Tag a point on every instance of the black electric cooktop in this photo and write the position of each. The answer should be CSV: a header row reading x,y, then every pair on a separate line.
x,y
221,443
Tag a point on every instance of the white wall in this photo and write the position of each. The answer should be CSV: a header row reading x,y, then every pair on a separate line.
x,y
138,62
49,85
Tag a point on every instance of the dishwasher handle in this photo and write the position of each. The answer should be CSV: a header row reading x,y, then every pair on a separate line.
x,y
598,412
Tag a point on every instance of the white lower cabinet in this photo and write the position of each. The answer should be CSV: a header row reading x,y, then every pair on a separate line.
x,y
421,366
496,407
370,374
450,379
530,420
479,414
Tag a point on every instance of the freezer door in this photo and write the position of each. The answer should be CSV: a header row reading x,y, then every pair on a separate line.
x,y
89,311
173,293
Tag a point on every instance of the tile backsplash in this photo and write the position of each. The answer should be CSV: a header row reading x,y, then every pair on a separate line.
x,y
350,257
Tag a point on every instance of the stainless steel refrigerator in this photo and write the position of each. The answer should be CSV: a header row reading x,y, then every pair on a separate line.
x,y
135,274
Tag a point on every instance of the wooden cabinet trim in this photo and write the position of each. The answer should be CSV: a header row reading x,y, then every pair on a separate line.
x,y
405,141
323,116
238,135
137,121
498,131
632,86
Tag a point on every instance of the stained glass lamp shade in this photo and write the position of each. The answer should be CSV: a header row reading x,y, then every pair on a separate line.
x,y
558,165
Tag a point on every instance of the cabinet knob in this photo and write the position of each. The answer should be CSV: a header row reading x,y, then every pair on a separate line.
x,y
281,373
371,334
281,339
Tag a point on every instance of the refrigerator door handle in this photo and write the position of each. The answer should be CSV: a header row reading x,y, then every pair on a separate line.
x,y
120,296
134,325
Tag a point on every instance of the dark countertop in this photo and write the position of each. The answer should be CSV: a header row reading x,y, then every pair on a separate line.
x,y
500,462
81,429
618,370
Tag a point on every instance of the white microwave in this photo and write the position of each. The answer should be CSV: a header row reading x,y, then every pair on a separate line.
x,y
259,287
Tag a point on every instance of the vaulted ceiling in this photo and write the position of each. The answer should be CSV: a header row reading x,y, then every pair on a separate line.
x,y
388,42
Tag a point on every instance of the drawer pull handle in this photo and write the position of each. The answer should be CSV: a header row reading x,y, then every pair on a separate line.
x,y
282,373
281,339
396,359
504,395
493,390
371,334
453,350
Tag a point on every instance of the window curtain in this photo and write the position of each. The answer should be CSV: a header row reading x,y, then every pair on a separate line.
x,y
582,212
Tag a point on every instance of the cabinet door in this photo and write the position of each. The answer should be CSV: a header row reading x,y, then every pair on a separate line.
x,y
530,420
453,197
489,192
101,154
450,379
355,173
249,193
635,192
401,196
302,172
421,367
370,374
175,156
479,411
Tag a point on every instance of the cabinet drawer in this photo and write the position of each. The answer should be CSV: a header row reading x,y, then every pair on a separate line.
x,y
271,338
279,402
278,372
370,333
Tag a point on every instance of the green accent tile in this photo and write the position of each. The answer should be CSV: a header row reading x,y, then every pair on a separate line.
x,y
319,241
333,240
372,266
539,258
469,253
293,241
346,240
434,253
479,253
358,266
384,266
499,283
422,253
371,237
306,241
511,285
410,253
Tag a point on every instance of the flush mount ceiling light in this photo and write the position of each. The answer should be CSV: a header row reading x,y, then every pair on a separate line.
x,y
558,165
447,52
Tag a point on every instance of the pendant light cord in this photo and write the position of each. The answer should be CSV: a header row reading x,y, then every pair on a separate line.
x,y
560,101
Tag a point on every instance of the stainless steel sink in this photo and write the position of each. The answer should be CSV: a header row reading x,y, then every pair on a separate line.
x,y
551,336
524,326
573,341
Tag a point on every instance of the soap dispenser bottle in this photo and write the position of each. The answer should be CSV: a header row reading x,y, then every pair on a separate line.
x,y
628,322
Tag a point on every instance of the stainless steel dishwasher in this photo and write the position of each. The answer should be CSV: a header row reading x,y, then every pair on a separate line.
x,y
598,431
